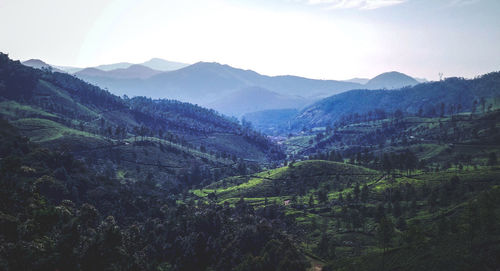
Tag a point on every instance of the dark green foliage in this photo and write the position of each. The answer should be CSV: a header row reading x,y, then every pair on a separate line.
x,y
114,135
432,98
103,226
492,159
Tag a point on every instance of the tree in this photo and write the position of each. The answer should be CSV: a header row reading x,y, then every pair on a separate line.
x,y
398,114
396,211
492,159
364,193
311,201
386,163
380,213
356,191
322,195
385,232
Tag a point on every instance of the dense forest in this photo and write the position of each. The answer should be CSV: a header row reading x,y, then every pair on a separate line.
x,y
447,97
404,179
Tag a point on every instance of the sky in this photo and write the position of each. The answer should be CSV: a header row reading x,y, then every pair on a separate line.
x,y
321,39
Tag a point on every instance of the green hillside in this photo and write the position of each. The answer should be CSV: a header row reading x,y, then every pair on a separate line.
x,y
433,99
92,181
334,210
295,179
183,143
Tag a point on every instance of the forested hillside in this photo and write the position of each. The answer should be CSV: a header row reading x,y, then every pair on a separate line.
x,y
58,214
126,138
448,97
392,192
403,179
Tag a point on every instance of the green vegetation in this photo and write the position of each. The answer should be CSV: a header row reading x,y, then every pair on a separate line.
x,y
92,181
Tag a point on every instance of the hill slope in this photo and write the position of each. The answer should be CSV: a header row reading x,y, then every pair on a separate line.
x,y
253,99
163,65
204,83
129,137
295,179
390,80
134,71
431,99
39,64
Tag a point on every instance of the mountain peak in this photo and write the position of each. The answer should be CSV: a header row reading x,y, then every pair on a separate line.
x,y
159,64
35,63
391,80
39,64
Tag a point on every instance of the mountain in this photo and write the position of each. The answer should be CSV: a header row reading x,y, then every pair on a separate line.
x,y
113,66
421,80
403,179
135,71
164,65
57,110
36,63
361,81
39,64
204,83
433,98
68,69
154,63
273,121
251,99
390,80
91,72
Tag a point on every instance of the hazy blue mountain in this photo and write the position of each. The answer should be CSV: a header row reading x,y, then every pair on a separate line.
x,y
421,80
154,63
390,80
164,65
251,99
91,72
113,66
272,122
454,93
204,83
39,64
358,80
68,69
134,71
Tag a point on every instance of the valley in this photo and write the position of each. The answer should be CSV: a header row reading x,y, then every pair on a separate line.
x,y
405,177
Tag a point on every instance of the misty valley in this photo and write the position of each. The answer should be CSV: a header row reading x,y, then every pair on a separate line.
x,y
384,174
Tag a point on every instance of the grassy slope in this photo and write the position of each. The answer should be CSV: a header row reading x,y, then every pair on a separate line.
x,y
51,130
421,135
312,173
257,189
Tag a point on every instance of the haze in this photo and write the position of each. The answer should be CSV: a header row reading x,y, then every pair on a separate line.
x,y
324,39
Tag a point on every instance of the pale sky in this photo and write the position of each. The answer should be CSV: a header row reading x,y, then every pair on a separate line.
x,y
323,39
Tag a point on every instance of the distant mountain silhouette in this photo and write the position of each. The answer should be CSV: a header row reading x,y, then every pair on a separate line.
x,y
133,72
358,80
251,99
113,66
390,80
39,64
426,97
163,65
154,63
206,82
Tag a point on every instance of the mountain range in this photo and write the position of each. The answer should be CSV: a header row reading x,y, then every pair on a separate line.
x,y
385,179
253,99
447,97
221,87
